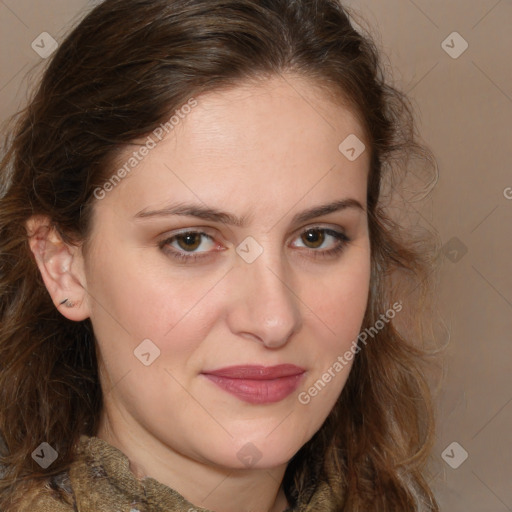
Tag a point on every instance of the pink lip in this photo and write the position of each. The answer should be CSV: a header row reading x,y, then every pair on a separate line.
x,y
258,384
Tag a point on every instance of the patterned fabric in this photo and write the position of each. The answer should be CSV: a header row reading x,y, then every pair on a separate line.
x,y
100,480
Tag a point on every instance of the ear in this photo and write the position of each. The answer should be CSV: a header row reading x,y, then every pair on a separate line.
x,y
61,266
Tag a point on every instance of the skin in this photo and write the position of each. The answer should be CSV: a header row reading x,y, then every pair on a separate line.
x,y
265,151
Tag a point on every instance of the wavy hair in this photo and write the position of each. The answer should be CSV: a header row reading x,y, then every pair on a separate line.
x,y
112,81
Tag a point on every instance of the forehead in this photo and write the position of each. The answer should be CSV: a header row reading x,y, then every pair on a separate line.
x,y
275,139
284,104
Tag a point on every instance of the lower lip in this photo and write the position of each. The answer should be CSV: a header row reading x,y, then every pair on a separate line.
x,y
258,391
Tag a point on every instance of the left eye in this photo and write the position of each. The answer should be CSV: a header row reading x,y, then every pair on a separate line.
x,y
317,236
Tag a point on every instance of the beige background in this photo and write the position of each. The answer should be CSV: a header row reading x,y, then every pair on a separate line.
x,y
464,108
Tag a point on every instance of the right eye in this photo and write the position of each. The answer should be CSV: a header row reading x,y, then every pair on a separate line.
x,y
183,246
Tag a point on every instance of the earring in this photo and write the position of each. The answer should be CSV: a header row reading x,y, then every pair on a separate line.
x,y
67,303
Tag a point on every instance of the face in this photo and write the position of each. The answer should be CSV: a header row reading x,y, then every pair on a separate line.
x,y
214,329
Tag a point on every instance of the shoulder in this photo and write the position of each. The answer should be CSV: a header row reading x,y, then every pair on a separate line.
x,y
53,494
42,497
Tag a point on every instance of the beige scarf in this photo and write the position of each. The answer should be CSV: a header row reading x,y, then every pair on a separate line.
x,y
100,480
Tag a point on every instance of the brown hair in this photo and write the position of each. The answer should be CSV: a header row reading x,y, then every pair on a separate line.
x,y
113,80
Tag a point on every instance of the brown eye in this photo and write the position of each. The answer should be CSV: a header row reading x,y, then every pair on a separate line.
x,y
189,241
189,246
319,242
314,237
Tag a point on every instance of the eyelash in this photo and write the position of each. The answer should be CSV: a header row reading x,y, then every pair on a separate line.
x,y
343,240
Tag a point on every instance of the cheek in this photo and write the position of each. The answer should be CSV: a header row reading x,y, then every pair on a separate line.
x,y
339,302
133,301
338,312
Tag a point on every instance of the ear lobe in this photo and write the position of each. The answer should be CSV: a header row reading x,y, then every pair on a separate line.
x,y
61,267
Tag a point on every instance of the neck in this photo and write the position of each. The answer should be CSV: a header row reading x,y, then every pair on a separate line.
x,y
205,485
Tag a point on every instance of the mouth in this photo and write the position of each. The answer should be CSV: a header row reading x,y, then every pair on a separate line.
x,y
258,384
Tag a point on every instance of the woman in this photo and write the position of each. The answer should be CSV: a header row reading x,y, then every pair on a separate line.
x,y
200,289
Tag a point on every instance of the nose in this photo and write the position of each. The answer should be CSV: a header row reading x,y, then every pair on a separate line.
x,y
264,306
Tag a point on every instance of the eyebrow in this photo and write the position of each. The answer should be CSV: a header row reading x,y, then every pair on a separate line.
x,y
212,214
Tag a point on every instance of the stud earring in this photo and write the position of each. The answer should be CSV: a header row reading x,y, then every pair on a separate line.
x,y
67,303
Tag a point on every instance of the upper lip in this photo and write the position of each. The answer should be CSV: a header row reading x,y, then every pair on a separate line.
x,y
255,372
